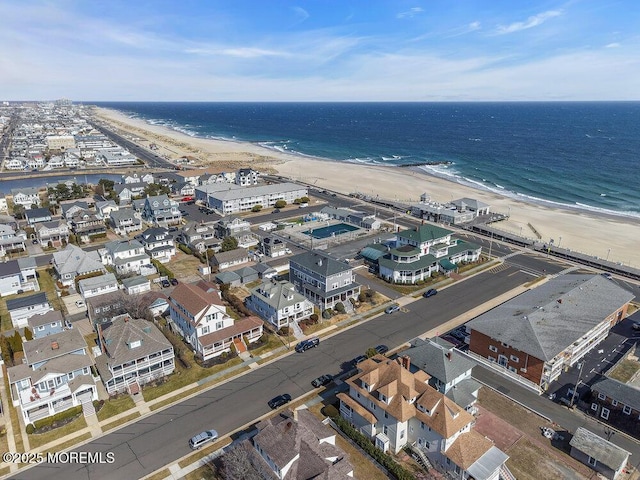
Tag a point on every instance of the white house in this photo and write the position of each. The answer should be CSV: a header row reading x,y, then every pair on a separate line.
x,y
26,197
126,256
20,309
90,287
158,243
279,304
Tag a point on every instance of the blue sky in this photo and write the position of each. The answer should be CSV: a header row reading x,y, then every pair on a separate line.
x,y
320,50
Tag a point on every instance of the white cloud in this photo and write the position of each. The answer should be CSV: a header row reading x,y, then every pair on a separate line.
x,y
301,13
412,12
530,22
612,45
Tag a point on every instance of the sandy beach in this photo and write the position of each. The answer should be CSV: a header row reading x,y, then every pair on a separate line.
x,y
586,232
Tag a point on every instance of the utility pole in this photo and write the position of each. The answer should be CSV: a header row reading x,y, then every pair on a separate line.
x,y
575,390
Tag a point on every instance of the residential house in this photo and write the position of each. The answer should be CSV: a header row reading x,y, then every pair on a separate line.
x,y
125,221
273,247
15,163
103,308
604,457
157,303
86,225
247,274
93,286
138,178
183,189
18,276
158,243
247,177
104,209
424,250
20,309
265,271
199,316
11,241
229,259
134,352
126,256
56,376
127,192
70,208
162,211
298,445
46,324
74,262
448,369
135,285
53,234
396,408
233,227
538,334
200,236
616,403
229,278
3,203
27,197
37,215
359,219
229,199
278,303
323,280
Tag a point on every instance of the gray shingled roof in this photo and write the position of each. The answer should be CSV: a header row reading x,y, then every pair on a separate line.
x,y
119,334
52,316
9,268
622,392
35,299
597,447
95,282
320,263
545,320
75,260
278,294
54,345
432,358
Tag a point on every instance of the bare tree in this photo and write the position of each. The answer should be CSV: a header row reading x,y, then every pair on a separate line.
x,y
243,463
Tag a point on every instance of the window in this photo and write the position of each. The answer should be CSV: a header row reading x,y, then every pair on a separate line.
x,y
386,415
592,461
205,329
627,409
605,413
491,359
493,348
513,369
594,407
614,403
515,359
601,396
402,432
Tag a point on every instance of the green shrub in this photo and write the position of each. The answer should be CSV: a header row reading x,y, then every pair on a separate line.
x,y
185,249
280,204
340,307
330,411
30,429
47,422
326,314
313,318
256,208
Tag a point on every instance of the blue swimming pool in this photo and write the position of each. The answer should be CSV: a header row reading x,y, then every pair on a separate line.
x,y
330,231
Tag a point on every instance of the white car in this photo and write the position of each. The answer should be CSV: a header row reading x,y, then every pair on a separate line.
x,y
80,304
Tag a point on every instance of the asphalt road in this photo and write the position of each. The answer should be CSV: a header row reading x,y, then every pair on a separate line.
x,y
159,439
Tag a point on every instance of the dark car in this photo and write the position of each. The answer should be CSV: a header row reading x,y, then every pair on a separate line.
x,y
277,210
322,380
382,349
174,281
430,293
279,401
165,283
305,345
636,325
358,359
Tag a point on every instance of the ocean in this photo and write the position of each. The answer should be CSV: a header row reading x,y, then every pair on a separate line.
x,y
580,155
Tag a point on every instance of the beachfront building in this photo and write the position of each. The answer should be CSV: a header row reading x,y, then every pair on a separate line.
x,y
311,448
228,199
420,252
158,244
463,210
55,376
279,304
537,335
359,219
323,280
199,316
127,256
247,177
160,210
133,352
395,408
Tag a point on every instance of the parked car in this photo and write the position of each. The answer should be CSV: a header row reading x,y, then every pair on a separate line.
x,y
35,241
322,380
392,309
174,281
607,275
204,437
80,304
277,210
358,359
382,349
165,283
279,401
305,345
430,293
636,325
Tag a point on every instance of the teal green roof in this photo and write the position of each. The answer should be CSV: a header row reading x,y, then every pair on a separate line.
x,y
425,233
462,246
423,262
371,252
447,265
405,251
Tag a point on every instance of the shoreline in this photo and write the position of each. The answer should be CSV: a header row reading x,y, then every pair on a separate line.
x,y
598,234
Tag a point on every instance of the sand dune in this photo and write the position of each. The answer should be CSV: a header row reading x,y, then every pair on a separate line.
x,y
590,233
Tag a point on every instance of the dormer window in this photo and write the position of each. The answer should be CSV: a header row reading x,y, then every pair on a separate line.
x,y
383,398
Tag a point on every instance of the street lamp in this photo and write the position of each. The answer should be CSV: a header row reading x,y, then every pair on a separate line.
x,y
559,241
608,252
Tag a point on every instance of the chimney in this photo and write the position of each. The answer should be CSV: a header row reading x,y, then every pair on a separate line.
x,y
320,262
405,362
559,300
54,346
448,355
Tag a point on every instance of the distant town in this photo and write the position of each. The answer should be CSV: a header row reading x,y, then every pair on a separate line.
x,y
267,328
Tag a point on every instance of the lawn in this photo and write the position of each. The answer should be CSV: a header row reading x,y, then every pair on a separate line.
x,y
39,439
121,421
528,461
624,371
114,406
48,285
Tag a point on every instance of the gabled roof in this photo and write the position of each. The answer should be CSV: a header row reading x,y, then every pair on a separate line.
x,y
75,260
54,345
38,213
547,319
232,255
100,280
116,246
600,449
53,316
195,299
320,263
444,364
9,268
278,294
468,448
622,392
29,300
